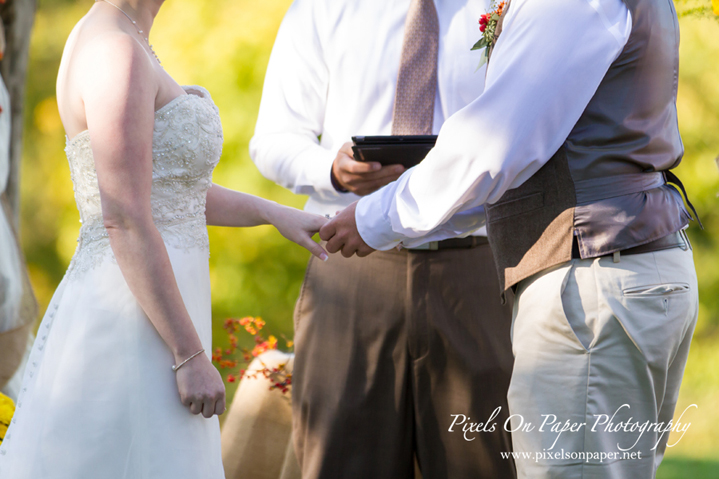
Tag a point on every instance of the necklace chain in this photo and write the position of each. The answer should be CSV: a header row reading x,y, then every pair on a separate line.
x,y
134,24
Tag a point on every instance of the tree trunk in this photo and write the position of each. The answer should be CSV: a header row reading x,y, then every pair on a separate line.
x,y
18,308
17,17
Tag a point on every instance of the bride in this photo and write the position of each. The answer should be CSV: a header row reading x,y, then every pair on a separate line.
x,y
119,384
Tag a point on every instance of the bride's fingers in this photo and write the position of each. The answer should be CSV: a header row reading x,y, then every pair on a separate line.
x,y
208,408
195,407
314,224
319,222
220,407
314,248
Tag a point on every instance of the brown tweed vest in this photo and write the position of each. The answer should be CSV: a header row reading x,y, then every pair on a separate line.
x,y
606,185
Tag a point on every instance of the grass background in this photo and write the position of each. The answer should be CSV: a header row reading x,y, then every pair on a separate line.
x,y
224,45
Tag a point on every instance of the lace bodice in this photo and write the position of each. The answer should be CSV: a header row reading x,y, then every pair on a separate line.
x,y
187,144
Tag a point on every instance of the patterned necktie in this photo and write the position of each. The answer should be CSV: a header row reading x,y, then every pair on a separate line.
x,y
417,80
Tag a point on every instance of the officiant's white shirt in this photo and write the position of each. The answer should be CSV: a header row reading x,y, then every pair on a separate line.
x,y
332,75
548,63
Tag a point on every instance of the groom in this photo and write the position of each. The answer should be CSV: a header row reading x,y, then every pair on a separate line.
x,y
393,349
573,167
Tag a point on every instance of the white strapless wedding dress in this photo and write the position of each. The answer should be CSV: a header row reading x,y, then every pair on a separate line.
x,y
99,399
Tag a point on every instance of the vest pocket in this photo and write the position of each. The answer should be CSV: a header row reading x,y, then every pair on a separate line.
x,y
515,207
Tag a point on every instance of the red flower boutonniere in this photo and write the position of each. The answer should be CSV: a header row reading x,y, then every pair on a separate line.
x,y
487,26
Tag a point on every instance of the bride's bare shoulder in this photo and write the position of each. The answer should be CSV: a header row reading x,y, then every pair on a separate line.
x,y
101,58
96,41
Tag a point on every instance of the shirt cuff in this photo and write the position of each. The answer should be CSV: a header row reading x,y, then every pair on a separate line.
x,y
374,222
318,168
335,182
373,225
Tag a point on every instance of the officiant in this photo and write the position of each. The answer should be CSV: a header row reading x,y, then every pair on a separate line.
x,y
390,347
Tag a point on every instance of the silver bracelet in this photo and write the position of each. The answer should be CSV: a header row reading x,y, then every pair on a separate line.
x,y
175,368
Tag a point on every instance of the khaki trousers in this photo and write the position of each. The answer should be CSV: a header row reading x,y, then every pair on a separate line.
x,y
387,349
601,344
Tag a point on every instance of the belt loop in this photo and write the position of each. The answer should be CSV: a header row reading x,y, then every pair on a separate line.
x,y
685,237
615,257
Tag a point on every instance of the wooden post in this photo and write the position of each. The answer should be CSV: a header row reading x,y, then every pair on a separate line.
x,y
18,307
17,18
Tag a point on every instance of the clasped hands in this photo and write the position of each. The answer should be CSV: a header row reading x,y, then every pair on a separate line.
x,y
361,179
342,235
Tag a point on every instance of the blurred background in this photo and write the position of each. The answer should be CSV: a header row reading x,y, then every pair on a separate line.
x,y
224,45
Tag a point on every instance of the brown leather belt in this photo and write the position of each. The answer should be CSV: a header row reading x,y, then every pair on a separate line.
x,y
452,243
674,240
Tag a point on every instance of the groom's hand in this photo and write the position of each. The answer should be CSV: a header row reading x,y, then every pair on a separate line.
x,y
359,177
341,234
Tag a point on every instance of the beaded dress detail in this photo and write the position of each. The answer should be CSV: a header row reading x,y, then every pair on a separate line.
x,y
187,144
99,397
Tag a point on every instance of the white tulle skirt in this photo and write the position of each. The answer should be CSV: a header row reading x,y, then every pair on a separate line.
x,y
99,399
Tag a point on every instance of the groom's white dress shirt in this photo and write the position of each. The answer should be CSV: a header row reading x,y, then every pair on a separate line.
x,y
546,67
332,75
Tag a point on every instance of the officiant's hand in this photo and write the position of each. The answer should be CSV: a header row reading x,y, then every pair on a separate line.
x,y
341,234
359,177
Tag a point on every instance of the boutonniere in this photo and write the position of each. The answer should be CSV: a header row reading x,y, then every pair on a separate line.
x,y
487,27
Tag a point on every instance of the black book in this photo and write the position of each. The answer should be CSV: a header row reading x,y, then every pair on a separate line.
x,y
406,150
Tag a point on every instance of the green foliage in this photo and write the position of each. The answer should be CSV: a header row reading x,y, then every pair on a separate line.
x,y
698,103
697,8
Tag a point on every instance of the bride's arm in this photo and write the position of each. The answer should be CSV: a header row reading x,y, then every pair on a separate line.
x,y
231,208
118,87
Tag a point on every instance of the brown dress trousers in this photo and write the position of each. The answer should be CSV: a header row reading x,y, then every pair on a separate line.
x,y
389,348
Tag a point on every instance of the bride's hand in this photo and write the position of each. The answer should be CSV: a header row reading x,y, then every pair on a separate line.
x,y
201,387
298,226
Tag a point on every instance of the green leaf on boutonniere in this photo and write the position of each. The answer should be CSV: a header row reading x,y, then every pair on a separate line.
x,y
484,59
482,43
495,17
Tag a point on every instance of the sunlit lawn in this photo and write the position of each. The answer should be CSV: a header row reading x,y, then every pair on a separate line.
x,y
682,468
